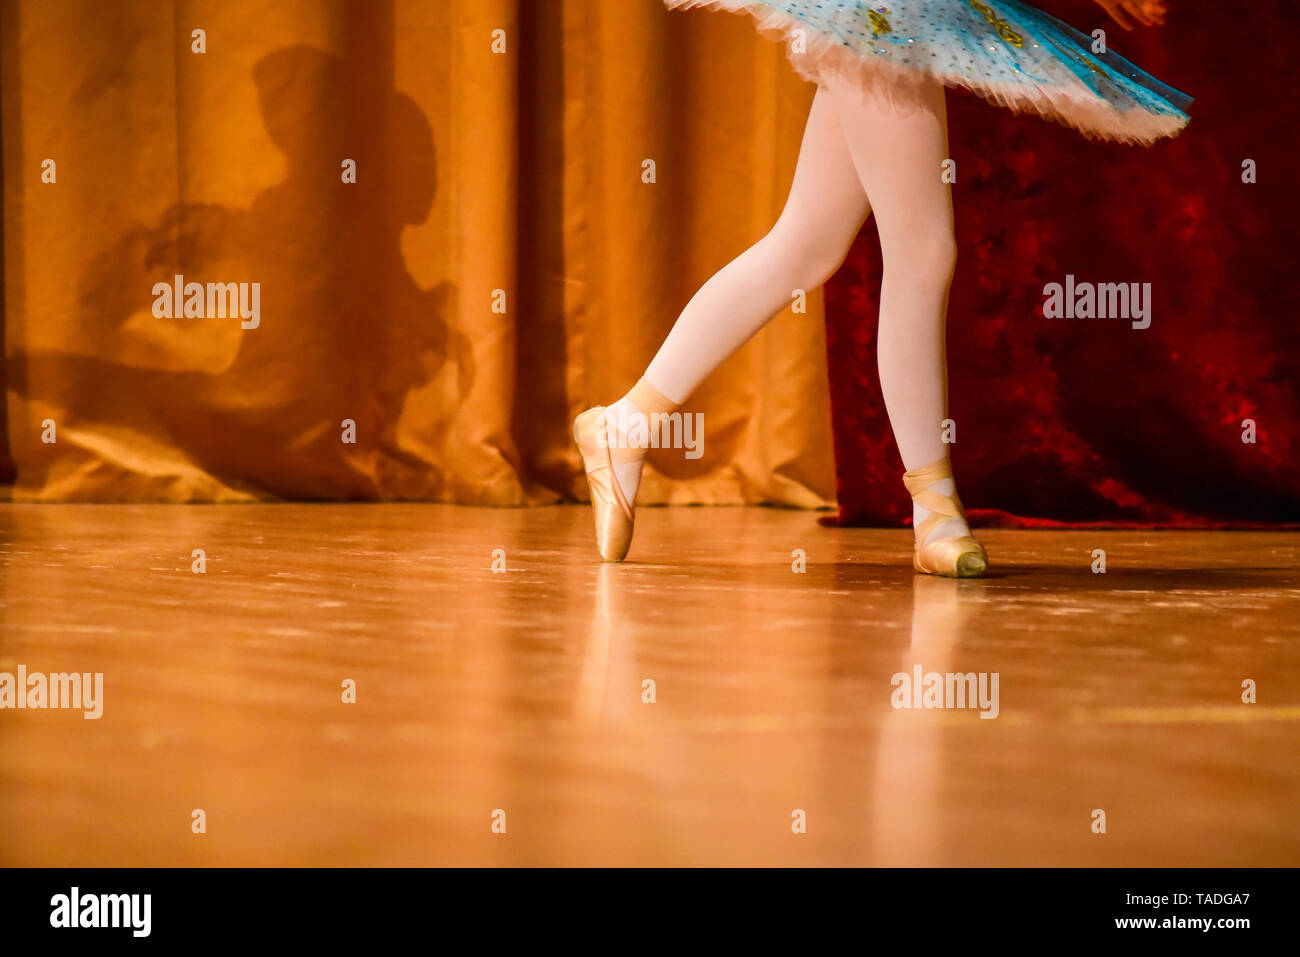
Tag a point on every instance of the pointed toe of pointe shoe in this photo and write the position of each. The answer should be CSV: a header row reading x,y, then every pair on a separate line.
x,y
610,508
972,564
962,557
952,558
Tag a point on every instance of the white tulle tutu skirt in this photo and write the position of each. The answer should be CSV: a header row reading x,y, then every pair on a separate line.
x,y
1008,52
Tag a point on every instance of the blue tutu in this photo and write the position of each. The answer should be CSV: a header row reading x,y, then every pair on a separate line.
x,y
1008,52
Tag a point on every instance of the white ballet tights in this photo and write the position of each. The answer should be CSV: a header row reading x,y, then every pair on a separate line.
x,y
853,148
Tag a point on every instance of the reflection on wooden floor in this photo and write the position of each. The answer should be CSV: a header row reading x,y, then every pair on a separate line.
x,y
522,690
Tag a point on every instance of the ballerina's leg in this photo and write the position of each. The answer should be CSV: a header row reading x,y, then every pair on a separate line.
x,y
823,213
899,146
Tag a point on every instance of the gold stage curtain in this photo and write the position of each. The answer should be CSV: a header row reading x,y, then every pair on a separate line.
x,y
499,264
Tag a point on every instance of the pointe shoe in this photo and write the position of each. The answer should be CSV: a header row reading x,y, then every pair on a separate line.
x,y
609,507
961,557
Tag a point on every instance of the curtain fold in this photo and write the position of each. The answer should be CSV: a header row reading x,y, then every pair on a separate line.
x,y
540,185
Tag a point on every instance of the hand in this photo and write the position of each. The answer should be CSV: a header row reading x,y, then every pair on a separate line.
x,y
1148,12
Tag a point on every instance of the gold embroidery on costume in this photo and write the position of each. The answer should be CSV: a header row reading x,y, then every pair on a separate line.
x,y
1004,31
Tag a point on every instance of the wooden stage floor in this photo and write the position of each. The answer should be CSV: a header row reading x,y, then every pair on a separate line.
x,y
522,691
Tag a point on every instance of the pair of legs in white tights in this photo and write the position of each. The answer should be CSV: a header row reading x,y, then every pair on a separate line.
x,y
858,156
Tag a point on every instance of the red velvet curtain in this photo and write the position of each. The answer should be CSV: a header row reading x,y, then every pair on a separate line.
x,y
1080,421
